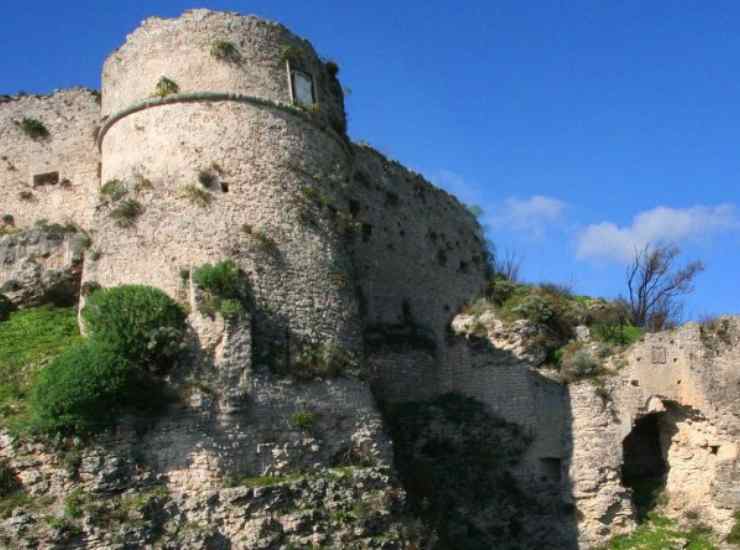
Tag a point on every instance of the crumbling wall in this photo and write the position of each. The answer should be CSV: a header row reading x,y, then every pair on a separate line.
x,y
689,377
50,177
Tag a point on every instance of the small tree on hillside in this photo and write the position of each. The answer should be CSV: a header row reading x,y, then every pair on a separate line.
x,y
655,285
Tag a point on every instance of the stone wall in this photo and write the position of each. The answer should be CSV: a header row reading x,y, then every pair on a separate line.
x,y
267,166
417,245
180,49
52,177
689,378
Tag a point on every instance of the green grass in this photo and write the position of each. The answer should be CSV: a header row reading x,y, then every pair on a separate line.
x,y
734,536
28,339
660,533
264,481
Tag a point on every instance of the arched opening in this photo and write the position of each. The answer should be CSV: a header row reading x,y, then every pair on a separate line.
x,y
644,468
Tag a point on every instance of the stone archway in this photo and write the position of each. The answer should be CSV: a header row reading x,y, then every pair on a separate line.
x,y
644,465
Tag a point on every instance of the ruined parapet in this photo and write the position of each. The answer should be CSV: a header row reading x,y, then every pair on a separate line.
x,y
232,159
48,157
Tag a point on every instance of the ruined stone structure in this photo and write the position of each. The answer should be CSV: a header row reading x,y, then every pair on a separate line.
x,y
227,135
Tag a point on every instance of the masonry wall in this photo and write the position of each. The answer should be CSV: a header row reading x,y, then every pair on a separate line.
x,y
418,244
266,163
68,156
689,377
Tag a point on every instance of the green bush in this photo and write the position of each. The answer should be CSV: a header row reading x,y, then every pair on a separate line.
x,y
6,306
142,323
223,286
81,391
34,128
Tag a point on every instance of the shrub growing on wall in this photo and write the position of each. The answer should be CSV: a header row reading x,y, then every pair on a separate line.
x,y
223,286
141,323
81,390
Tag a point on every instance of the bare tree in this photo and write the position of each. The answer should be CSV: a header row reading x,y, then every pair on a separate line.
x,y
506,265
655,285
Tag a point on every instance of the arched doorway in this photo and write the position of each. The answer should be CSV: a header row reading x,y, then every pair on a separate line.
x,y
644,468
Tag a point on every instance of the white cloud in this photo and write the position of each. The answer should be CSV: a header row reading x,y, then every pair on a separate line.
x,y
608,241
530,215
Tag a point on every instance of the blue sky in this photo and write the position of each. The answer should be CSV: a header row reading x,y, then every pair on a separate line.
x,y
581,128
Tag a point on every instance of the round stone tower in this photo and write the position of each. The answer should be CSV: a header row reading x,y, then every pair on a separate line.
x,y
223,138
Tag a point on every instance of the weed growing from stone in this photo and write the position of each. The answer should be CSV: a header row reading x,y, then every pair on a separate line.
x,y
166,87
303,420
34,128
127,212
196,195
225,51
113,190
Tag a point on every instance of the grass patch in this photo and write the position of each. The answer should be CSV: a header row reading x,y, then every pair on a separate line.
x,y
263,481
196,195
660,533
734,536
126,213
28,340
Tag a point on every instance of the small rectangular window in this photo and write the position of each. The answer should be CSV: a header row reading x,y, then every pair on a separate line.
x,y
303,88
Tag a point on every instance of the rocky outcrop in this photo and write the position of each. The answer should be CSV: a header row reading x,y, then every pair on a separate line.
x,y
42,265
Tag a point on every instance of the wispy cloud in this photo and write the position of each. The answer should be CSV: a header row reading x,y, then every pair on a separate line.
x,y
532,215
609,241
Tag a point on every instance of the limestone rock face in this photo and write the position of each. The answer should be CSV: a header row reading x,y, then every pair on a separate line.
x,y
42,265
526,341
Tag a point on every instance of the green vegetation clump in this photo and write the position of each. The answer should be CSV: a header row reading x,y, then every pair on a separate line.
x,y
224,289
141,323
225,51
318,360
660,533
196,195
34,128
82,390
734,536
127,212
206,178
166,87
8,219
29,339
303,420
113,190
332,68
